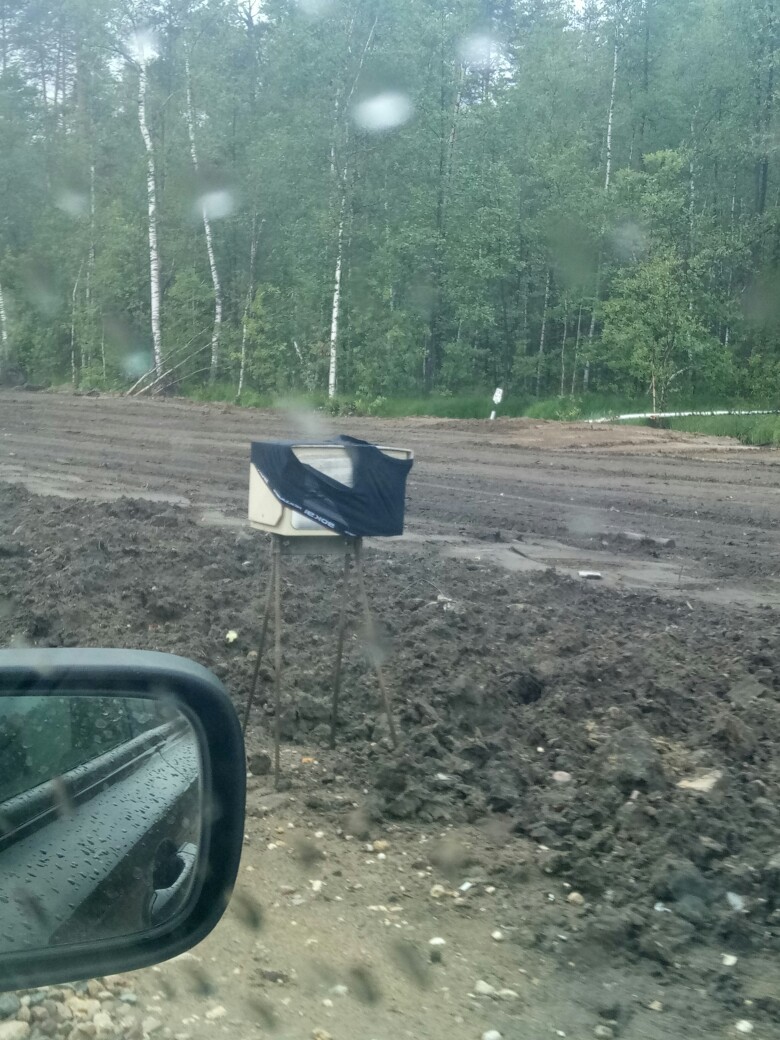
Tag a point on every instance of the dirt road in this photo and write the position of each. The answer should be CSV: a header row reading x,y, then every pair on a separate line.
x,y
568,485
585,804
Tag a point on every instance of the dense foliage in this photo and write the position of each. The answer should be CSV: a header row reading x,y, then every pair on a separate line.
x,y
437,195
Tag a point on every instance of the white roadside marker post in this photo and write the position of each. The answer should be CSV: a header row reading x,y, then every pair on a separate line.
x,y
497,398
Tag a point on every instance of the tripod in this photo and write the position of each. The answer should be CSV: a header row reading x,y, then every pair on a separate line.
x,y
352,550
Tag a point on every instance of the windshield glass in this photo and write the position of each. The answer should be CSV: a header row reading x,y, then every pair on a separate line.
x,y
510,686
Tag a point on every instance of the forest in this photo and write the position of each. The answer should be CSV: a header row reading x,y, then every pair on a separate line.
x,y
388,198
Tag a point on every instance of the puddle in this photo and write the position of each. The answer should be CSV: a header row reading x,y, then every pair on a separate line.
x,y
72,487
662,577
216,518
658,577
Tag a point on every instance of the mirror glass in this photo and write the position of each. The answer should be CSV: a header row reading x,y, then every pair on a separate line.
x,y
100,817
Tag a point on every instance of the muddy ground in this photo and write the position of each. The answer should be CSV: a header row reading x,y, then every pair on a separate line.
x,y
596,761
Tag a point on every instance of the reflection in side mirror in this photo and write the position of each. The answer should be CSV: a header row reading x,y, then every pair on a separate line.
x,y
100,817
122,779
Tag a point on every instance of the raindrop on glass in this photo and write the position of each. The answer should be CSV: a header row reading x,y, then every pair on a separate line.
x,y
480,51
74,203
383,112
215,204
134,365
142,46
315,8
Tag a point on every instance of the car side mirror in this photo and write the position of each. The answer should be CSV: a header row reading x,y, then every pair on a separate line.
x,y
122,794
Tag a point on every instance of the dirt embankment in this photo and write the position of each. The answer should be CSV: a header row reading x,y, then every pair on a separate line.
x,y
570,713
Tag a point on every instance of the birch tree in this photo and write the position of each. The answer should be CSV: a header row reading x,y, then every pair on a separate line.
x,y
607,182
340,173
75,369
3,328
145,53
215,335
335,308
543,332
250,294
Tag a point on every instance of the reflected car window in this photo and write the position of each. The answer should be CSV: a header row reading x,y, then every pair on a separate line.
x,y
44,737
100,816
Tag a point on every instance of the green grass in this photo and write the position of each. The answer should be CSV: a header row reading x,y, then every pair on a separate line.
x,y
227,392
444,406
464,406
750,429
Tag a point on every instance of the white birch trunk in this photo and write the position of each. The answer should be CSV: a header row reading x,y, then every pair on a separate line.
x,y
58,84
692,182
215,335
611,116
336,305
151,195
73,375
342,187
336,299
731,267
91,256
563,346
90,266
248,303
3,327
591,331
607,182
576,351
542,334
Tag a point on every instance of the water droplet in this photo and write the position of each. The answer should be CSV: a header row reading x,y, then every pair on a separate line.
x,y
315,8
248,910
383,112
629,241
480,51
215,204
364,985
142,46
134,365
411,962
74,203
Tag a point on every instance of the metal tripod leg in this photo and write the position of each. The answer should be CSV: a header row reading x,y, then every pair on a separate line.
x,y
277,658
371,636
261,646
334,710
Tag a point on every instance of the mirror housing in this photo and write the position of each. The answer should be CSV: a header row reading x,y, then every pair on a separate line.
x,y
179,915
